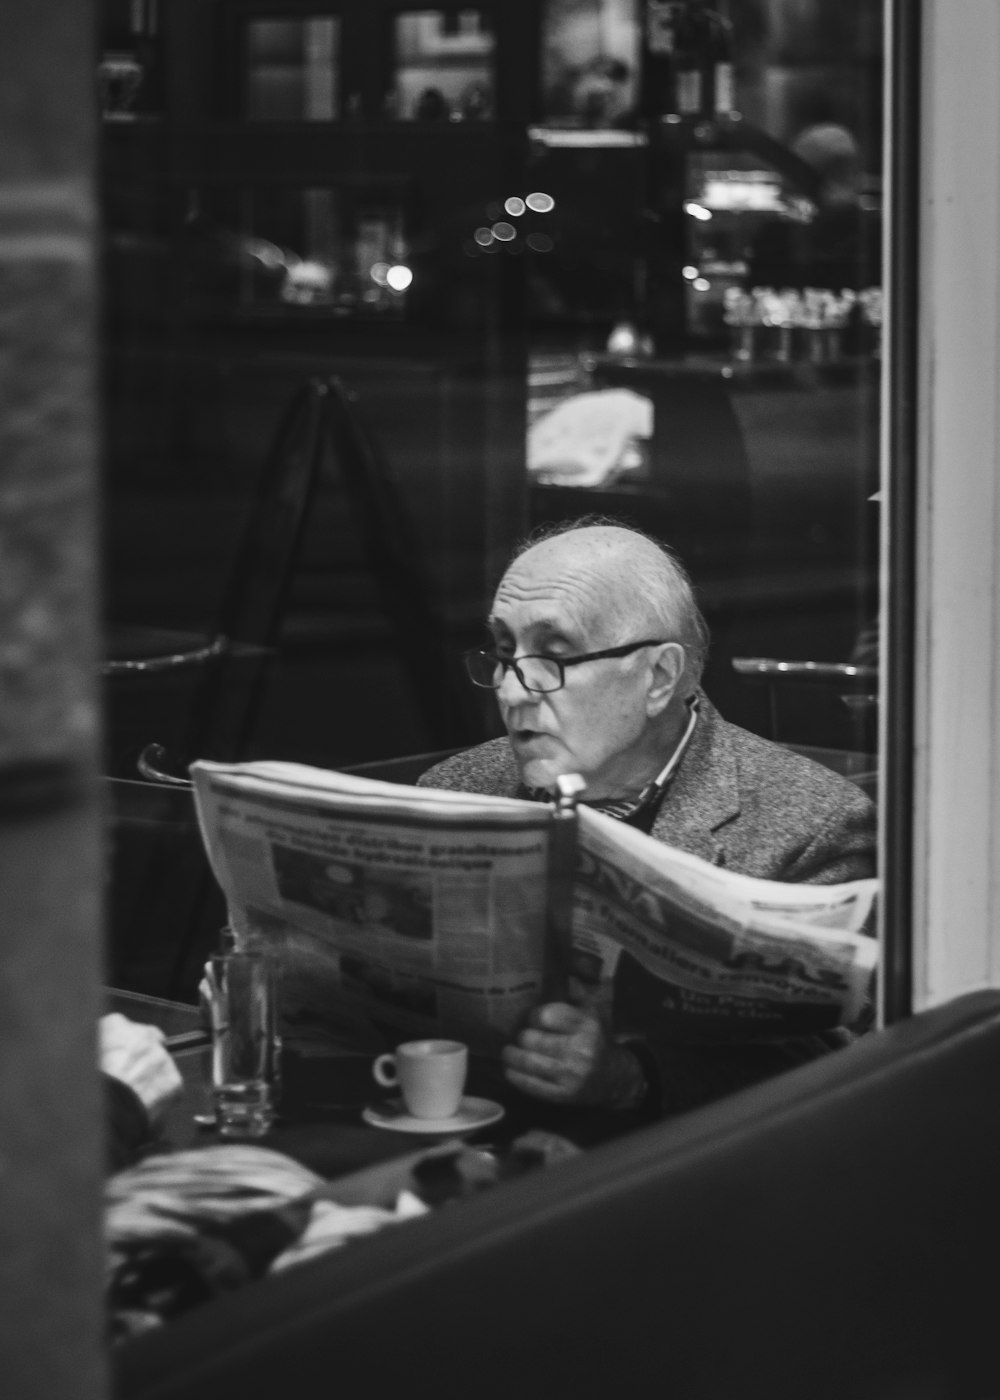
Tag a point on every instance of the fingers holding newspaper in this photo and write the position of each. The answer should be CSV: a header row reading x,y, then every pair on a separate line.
x,y
565,1055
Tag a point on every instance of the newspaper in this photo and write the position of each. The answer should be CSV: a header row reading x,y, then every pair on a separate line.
x,y
421,911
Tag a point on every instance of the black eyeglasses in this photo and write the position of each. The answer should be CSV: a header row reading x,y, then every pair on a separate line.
x,y
540,674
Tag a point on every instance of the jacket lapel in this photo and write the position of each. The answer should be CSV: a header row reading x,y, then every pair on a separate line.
x,y
704,794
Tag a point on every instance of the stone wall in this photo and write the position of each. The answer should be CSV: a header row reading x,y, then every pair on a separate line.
x,y
50,1145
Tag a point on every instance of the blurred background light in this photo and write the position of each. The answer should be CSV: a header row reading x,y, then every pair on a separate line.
x,y
399,277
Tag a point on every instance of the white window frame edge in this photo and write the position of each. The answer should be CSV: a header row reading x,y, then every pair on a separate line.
x,y
956,844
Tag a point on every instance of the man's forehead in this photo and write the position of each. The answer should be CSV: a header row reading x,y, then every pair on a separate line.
x,y
561,589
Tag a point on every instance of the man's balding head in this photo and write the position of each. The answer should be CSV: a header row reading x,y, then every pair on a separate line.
x,y
642,585
582,590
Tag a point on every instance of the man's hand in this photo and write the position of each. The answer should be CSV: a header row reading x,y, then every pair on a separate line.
x,y
566,1056
137,1055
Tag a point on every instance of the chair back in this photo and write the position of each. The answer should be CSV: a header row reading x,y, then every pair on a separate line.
x,y
201,692
163,907
847,690
830,1233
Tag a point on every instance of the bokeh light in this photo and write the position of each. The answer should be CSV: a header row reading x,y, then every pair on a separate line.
x,y
399,277
540,203
514,206
504,233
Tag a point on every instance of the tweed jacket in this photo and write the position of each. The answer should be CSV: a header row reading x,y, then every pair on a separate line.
x,y
740,802
736,800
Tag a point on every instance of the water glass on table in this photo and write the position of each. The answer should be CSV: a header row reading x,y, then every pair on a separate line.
x,y
240,988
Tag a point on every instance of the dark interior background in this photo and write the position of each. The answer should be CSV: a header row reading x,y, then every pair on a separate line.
x,y
350,602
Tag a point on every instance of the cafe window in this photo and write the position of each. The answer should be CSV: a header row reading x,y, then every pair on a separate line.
x,y
704,331
590,63
548,272
337,249
444,66
291,69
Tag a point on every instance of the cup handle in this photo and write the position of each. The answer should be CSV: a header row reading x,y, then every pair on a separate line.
x,y
384,1070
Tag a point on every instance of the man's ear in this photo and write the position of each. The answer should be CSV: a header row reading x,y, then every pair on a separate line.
x,y
666,673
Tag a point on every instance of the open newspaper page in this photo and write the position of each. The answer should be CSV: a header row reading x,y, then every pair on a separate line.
x,y
414,911
422,912
736,957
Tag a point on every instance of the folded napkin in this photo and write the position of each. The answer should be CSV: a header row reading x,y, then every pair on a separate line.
x,y
185,1227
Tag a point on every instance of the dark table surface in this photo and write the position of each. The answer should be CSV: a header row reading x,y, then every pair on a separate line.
x,y
323,1096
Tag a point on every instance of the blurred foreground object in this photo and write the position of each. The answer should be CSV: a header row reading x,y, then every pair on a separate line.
x,y
136,1054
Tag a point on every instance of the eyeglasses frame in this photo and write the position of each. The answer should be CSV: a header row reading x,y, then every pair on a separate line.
x,y
510,663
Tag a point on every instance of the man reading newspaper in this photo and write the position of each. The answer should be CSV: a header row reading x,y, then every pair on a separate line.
x,y
596,659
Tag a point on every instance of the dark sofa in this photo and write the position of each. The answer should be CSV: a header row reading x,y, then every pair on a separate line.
x,y
833,1234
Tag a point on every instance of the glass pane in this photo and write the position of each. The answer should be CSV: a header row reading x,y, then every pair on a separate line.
x,y
292,71
704,302
443,66
647,286
590,63
335,248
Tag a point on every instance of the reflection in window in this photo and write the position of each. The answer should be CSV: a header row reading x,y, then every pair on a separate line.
x,y
704,341
729,199
292,70
336,248
590,63
444,67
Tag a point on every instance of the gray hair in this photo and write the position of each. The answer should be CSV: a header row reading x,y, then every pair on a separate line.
x,y
657,577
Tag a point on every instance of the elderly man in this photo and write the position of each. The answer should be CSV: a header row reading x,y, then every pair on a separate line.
x,y
598,647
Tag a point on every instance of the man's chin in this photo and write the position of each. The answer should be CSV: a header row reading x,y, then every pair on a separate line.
x,y
540,772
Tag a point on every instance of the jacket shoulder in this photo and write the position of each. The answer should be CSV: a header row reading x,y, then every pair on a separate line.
x,y
488,768
784,766
764,810
818,825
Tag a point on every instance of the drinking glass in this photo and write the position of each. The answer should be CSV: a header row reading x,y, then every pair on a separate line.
x,y
245,1045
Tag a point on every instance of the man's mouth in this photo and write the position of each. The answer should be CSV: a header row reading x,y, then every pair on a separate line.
x,y
525,737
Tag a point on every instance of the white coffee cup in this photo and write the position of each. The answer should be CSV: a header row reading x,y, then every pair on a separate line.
x,y
430,1074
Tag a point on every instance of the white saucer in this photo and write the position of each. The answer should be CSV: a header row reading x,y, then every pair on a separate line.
x,y
472,1113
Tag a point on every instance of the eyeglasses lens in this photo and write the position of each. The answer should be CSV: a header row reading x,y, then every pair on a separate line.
x,y
537,673
540,674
